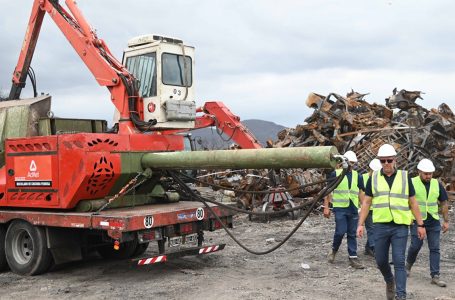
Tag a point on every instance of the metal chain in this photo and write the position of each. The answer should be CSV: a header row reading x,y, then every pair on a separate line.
x,y
124,190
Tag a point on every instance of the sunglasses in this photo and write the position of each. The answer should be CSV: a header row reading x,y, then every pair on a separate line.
x,y
389,161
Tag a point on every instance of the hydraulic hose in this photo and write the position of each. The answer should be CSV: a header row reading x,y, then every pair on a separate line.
x,y
329,188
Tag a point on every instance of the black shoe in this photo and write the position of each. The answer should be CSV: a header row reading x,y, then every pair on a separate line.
x,y
369,252
390,290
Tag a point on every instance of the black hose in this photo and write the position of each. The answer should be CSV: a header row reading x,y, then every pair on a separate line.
x,y
321,194
31,75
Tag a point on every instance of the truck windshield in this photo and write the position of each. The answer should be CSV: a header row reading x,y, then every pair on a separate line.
x,y
143,67
173,70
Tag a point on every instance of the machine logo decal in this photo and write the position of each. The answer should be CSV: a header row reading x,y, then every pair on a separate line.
x,y
33,166
148,222
33,171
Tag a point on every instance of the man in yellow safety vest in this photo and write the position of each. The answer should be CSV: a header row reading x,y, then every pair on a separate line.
x,y
345,203
392,195
429,192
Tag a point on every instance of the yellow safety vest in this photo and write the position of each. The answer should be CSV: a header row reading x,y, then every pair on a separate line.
x,y
342,194
366,176
427,204
391,204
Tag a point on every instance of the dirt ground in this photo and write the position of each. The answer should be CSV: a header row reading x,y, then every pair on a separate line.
x,y
298,270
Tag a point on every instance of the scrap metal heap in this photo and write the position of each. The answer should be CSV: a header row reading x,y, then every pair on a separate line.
x,y
351,123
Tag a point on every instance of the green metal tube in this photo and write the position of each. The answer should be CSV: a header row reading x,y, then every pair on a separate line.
x,y
267,158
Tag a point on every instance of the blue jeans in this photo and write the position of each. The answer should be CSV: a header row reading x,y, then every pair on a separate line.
x,y
370,231
345,223
396,235
433,228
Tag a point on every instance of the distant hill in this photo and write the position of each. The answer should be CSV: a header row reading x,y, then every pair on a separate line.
x,y
262,130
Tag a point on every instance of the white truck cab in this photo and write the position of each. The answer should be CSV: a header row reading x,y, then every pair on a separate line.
x,y
164,67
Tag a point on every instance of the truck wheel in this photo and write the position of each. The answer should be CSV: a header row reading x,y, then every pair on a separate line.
x,y
3,262
140,249
126,250
26,249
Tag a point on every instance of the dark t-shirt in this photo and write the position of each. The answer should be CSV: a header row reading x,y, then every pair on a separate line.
x,y
351,208
389,180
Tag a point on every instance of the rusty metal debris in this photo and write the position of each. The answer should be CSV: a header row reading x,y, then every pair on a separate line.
x,y
351,123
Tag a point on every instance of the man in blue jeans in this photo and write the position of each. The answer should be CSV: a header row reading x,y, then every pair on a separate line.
x,y
345,202
429,192
392,195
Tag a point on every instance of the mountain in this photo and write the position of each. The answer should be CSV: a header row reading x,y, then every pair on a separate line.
x,y
209,137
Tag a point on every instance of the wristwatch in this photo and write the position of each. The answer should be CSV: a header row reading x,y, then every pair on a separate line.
x,y
421,225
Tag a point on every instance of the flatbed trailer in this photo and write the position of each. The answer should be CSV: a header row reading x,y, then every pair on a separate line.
x,y
60,236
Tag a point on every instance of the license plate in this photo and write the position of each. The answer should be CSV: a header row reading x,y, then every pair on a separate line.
x,y
191,238
175,241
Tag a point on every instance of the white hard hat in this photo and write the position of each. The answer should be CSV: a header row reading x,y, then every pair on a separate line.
x,y
425,165
386,150
350,155
375,165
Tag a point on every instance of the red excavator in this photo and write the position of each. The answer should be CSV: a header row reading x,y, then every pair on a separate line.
x,y
68,186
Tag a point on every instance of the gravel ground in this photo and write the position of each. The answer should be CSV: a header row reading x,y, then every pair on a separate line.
x,y
298,270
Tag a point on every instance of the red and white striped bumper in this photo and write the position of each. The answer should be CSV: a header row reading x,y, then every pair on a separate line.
x,y
152,260
185,252
209,249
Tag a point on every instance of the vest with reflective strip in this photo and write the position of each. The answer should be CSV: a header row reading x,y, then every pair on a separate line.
x,y
391,204
342,194
427,204
366,176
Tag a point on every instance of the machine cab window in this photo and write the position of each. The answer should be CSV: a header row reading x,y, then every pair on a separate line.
x,y
176,70
143,67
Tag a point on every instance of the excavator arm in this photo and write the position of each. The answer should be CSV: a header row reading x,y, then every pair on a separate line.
x,y
218,115
107,70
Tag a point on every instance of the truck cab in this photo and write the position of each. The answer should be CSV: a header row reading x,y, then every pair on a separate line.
x,y
164,67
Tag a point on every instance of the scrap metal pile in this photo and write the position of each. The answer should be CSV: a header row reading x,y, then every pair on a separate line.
x,y
351,123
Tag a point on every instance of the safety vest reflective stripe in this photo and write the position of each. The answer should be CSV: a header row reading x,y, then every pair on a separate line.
x,y
391,204
343,194
382,205
428,201
403,208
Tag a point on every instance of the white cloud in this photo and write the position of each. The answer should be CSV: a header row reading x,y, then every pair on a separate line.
x,y
261,57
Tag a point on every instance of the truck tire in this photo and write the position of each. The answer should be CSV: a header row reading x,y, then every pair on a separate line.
x,y
26,249
126,250
140,249
3,262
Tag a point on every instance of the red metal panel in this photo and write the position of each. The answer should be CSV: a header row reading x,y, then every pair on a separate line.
x,y
92,167
32,168
156,142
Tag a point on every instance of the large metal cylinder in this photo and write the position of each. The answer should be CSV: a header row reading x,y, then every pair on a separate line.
x,y
267,158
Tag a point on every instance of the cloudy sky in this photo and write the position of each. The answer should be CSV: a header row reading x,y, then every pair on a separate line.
x,y
261,58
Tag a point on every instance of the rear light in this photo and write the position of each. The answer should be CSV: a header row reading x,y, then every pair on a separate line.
x,y
186,228
150,235
214,225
